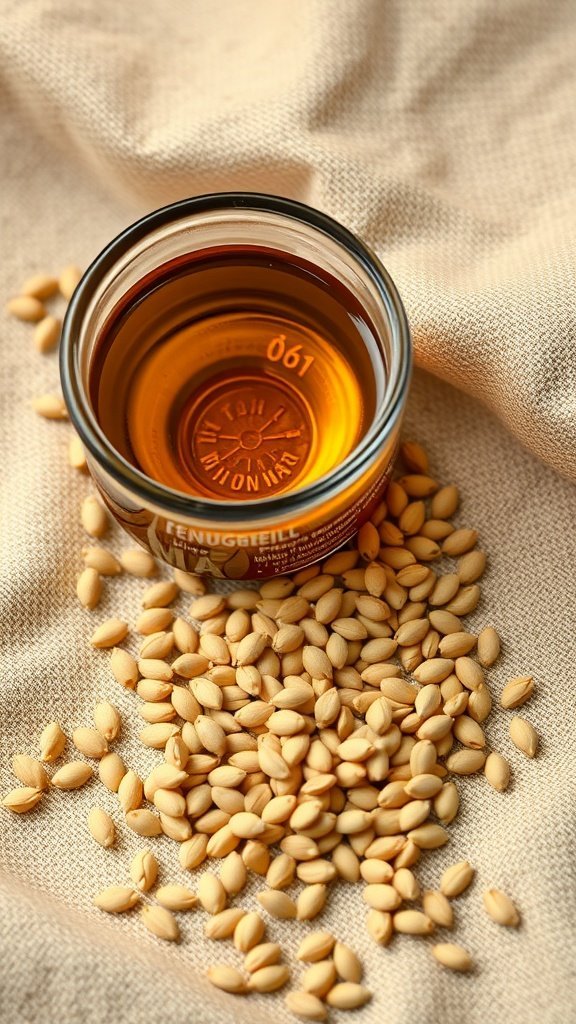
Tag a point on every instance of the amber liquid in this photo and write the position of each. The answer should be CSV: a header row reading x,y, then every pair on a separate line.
x,y
236,374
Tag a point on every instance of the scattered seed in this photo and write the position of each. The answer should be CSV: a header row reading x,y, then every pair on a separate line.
x,y
22,800
144,870
306,1006
452,956
50,407
72,775
524,736
500,908
116,899
101,827
29,772
229,979
456,879
348,996
161,923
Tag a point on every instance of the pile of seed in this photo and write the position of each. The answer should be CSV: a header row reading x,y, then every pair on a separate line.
x,y
310,732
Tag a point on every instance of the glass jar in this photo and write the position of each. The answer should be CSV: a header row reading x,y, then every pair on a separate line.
x,y
243,533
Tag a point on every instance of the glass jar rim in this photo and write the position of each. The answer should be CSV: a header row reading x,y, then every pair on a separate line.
x,y
178,503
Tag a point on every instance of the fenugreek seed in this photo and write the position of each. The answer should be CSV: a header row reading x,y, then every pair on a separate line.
x,y
192,852
500,908
26,308
68,280
497,771
138,562
347,964
153,620
348,996
130,792
423,787
229,979
107,720
155,668
414,457
102,560
77,455
456,879
479,703
321,977
381,897
376,872
29,772
380,926
89,742
316,946
413,922
109,633
293,609
176,897
72,775
249,931
517,692
263,955
144,870
454,957
306,1006
428,836
471,567
89,588
161,922
221,926
466,762
190,583
368,542
488,646
190,665
94,517
157,645
50,407
456,645
143,822
116,899
311,902
47,334
278,904
22,800
469,733
434,670
447,803
157,736
212,894
524,736
101,827
40,286
52,742
205,606
439,910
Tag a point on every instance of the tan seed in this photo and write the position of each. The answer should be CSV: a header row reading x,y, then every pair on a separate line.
x,y
40,286
176,897
89,588
380,926
249,931
161,923
29,772
72,775
143,822
456,879
222,925
101,827
77,455
212,894
26,308
102,560
347,964
447,803
229,979
50,407
47,334
466,762
52,742
22,800
116,899
413,922
278,904
94,517
500,908
517,692
157,736
488,646
68,280
454,957
108,721
138,562
497,771
109,633
320,978
471,567
348,996
524,736
368,542
306,1006
89,742
192,852
414,457
438,909
311,902
144,870
263,955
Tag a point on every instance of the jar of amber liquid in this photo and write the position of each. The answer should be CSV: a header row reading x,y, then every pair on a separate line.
x,y
236,366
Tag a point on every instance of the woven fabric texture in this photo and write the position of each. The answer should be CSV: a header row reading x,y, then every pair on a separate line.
x,y
444,134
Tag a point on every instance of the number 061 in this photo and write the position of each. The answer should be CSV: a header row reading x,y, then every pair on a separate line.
x,y
292,358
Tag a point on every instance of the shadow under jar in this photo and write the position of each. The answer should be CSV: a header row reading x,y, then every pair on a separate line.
x,y
237,366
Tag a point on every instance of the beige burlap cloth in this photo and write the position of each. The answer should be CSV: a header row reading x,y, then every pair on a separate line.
x,y
445,134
